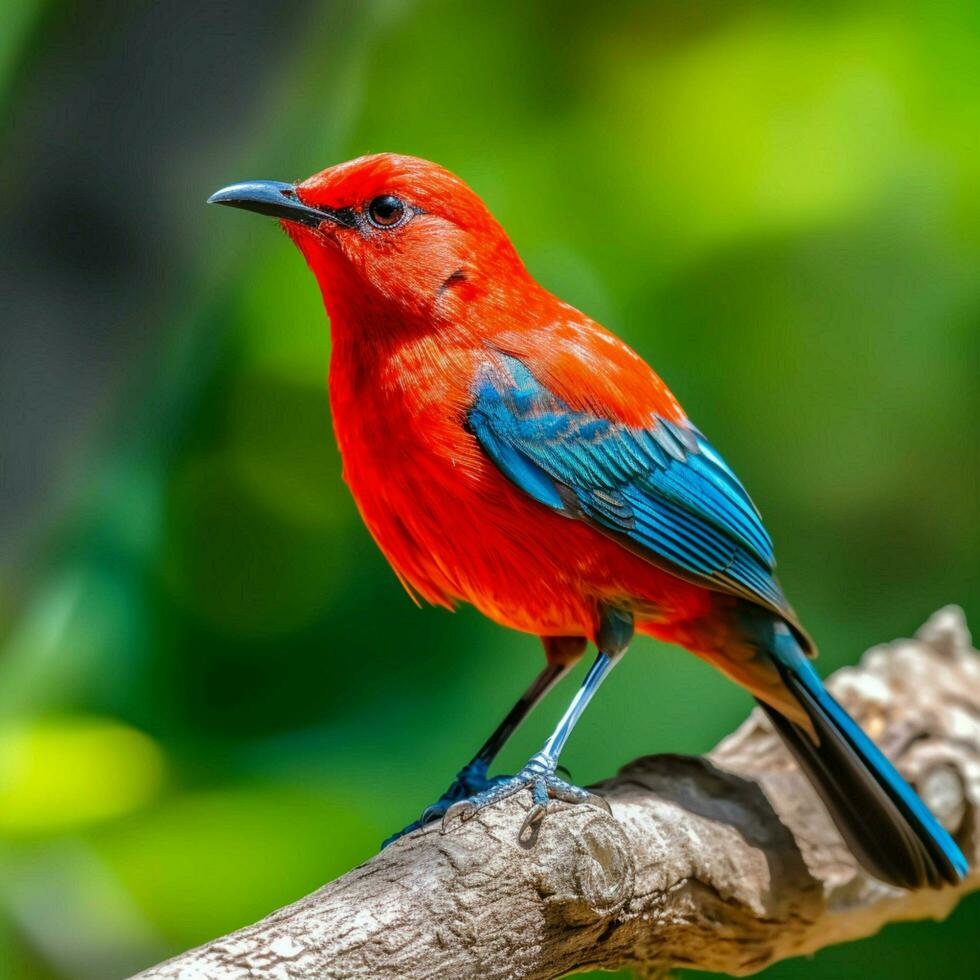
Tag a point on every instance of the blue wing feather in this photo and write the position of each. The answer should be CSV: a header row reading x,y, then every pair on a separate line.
x,y
663,488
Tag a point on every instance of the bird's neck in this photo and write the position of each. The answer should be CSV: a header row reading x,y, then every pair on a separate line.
x,y
387,361
466,310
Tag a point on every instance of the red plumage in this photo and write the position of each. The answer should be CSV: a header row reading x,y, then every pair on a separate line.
x,y
411,320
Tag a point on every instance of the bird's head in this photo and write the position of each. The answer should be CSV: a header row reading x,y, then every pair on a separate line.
x,y
388,236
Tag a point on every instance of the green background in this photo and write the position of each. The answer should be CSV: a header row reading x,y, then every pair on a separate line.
x,y
214,694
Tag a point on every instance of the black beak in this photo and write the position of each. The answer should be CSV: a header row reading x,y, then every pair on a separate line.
x,y
280,201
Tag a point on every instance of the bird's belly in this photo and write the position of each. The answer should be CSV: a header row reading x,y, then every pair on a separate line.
x,y
454,528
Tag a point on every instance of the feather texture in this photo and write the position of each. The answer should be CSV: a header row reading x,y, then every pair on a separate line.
x,y
661,488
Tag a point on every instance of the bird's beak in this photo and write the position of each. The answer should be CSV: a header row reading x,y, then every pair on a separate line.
x,y
280,201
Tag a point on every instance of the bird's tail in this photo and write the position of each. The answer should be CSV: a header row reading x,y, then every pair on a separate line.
x,y
885,824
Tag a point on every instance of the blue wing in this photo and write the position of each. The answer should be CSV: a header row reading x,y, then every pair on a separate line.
x,y
661,490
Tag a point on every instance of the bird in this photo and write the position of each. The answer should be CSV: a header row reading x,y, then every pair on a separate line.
x,y
507,451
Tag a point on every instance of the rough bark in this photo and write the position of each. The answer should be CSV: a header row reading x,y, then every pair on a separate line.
x,y
726,862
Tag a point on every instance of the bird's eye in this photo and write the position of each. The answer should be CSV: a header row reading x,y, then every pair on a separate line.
x,y
386,211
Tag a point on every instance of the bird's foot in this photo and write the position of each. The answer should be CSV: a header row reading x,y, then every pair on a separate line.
x,y
470,782
539,778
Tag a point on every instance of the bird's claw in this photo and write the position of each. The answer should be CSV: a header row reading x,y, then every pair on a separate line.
x,y
472,791
432,812
601,801
539,777
534,816
469,782
462,809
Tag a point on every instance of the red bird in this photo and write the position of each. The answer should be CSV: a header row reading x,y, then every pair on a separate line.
x,y
507,451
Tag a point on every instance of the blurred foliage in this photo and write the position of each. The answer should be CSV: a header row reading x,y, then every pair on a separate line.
x,y
213,693
57,774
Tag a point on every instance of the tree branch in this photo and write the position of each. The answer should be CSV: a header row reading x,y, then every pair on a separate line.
x,y
726,862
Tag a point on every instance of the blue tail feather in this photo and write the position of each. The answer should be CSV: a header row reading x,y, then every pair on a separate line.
x,y
885,824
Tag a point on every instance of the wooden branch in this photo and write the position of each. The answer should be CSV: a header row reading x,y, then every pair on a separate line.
x,y
726,862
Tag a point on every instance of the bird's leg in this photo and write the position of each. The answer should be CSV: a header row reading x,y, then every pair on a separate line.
x,y
476,770
472,778
539,773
